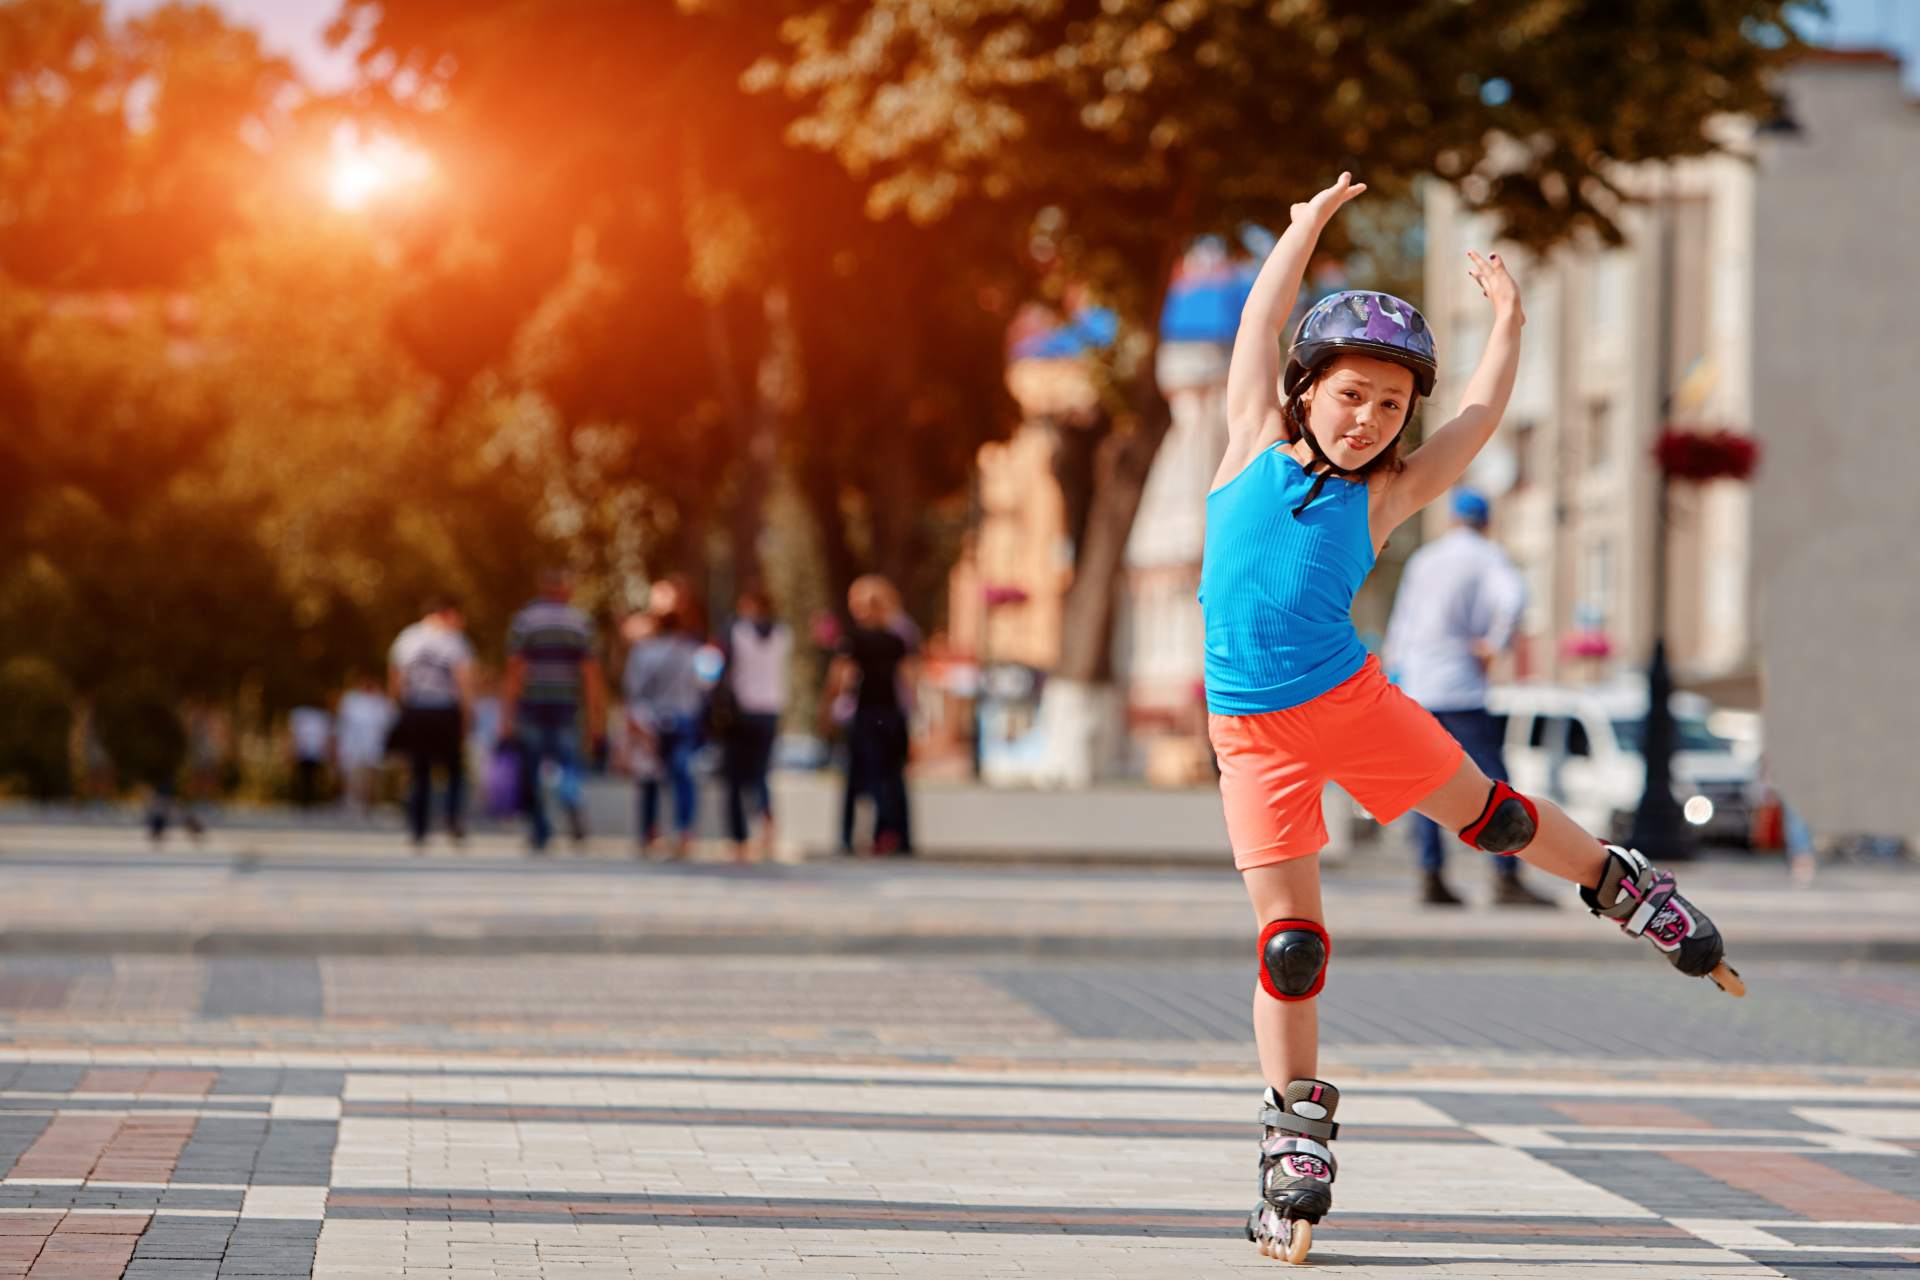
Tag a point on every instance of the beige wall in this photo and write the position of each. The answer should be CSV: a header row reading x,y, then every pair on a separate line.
x,y
1836,404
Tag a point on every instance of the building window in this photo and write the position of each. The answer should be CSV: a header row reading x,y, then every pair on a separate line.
x,y
1597,591
1610,293
1525,434
1599,432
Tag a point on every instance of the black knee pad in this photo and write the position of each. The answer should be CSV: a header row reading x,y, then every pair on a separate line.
x,y
1506,825
1293,959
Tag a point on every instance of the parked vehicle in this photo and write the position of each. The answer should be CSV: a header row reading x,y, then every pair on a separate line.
x,y
1581,748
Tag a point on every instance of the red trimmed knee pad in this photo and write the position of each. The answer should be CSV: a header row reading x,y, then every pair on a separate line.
x,y
1293,958
1506,825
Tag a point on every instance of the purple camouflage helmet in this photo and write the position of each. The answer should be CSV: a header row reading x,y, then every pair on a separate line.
x,y
1363,323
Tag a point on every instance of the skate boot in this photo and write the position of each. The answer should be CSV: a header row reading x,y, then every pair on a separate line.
x,y
1296,1169
1643,900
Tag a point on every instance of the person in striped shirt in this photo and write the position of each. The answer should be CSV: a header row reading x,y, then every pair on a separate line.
x,y
553,674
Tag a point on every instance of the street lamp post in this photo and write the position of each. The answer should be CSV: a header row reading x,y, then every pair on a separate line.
x,y
1658,826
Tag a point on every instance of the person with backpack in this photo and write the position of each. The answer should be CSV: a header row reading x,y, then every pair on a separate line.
x,y
750,698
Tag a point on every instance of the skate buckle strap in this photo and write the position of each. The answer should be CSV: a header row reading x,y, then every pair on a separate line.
x,y
1277,1118
1650,903
1633,881
1277,1147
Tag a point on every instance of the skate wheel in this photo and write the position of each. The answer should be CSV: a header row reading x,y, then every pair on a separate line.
x,y
1299,1240
1727,978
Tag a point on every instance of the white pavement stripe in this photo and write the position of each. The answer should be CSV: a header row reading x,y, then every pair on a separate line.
x,y
285,1202
1867,1122
970,1168
1517,1135
1358,1108
1729,1233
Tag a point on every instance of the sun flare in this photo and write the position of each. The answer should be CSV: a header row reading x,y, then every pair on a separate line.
x,y
366,169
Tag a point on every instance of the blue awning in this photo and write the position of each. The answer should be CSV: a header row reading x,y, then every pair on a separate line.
x,y
1201,307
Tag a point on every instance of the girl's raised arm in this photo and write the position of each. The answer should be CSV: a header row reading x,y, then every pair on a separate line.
x,y
1436,465
1253,376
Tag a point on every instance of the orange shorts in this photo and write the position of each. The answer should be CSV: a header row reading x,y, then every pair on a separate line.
x,y
1383,748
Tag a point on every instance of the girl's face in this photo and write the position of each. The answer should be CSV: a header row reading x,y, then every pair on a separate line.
x,y
1357,406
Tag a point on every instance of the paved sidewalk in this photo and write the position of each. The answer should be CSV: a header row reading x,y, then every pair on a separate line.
x,y
66,889
318,1055
185,1164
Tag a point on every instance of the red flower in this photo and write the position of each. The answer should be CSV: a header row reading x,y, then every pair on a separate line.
x,y
1698,456
1586,644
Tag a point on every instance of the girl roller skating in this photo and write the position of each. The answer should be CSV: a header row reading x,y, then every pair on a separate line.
x,y
1311,485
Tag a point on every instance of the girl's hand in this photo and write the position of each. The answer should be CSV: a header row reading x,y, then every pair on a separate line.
x,y
1495,284
1319,211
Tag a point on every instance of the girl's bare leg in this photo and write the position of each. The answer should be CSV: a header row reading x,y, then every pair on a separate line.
x,y
1287,1031
1560,846
1676,926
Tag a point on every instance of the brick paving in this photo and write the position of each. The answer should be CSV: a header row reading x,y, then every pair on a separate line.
x,y
487,1165
982,1111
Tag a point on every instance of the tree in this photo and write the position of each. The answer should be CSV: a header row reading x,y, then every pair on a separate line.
x,y
126,148
625,233
123,160
1117,132
215,472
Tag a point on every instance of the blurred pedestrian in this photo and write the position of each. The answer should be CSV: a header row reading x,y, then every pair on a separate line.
x,y
553,675
209,748
664,699
901,623
139,728
363,717
430,673
311,729
872,660
1458,607
753,692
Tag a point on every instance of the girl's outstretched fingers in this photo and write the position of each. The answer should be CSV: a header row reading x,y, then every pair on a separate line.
x,y
1496,284
1329,201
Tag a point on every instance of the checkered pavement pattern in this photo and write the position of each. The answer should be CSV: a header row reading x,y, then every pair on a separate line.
x,y
182,1163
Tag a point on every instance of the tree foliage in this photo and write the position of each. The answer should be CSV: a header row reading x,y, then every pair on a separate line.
x,y
1118,131
215,477
127,147
625,234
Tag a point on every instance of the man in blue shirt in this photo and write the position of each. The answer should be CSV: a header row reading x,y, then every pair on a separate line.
x,y
1460,601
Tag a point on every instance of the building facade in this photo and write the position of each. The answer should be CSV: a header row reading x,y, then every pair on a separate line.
x,y
1778,285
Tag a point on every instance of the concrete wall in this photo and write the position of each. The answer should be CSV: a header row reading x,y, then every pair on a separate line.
x,y
1836,405
1107,823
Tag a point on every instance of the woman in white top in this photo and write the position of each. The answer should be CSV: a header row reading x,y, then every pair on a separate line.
x,y
758,647
364,715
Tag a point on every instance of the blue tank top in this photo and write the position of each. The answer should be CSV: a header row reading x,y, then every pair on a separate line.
x,y
1276,591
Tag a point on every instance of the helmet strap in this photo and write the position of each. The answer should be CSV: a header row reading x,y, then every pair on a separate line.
x,y
1328,465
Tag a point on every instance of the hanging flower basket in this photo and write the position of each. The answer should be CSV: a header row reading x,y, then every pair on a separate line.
x,y
997,596
1696,456
1586,644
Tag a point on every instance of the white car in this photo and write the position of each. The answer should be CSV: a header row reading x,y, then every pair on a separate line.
x,y
1581,748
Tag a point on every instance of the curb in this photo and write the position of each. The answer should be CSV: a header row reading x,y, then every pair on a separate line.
x,y
1192,948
